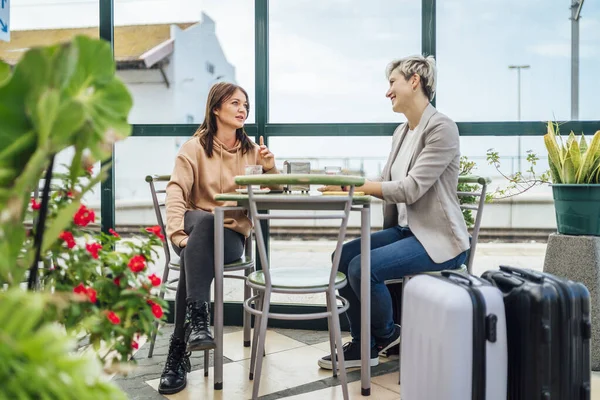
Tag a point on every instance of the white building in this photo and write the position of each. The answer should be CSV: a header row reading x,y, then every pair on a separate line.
x,y
171,76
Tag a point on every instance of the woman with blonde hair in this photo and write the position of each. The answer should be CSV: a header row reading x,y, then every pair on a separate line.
x,y
206,165
424,229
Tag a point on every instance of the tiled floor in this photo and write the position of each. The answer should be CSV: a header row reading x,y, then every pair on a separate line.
x,y
290,371
290,368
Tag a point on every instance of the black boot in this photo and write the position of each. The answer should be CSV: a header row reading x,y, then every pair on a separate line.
x,y
174,377
199,336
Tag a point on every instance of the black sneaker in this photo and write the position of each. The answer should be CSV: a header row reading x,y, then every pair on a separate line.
x,y
174,377
351,357
383,345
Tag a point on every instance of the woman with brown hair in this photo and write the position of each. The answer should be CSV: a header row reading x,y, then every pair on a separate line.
x,y
205,166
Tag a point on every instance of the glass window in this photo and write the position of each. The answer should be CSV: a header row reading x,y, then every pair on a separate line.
x,y
357,155
170,52
328,58
589,53
478,42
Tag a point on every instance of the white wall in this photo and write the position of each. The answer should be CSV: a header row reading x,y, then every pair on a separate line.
x,y
194,48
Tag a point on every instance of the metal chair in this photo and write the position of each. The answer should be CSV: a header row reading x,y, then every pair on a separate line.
x,y
478,207
246,264
301,280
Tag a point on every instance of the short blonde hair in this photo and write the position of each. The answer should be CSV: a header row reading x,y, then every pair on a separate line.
x,y
417,64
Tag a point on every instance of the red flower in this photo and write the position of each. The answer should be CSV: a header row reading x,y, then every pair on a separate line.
x,y
154,280
79,289
157,231
112,317
137,263
90,169
88,292
135,345
35,205
117,281
112,232
93,249
84,216
157,310
68,238
91,294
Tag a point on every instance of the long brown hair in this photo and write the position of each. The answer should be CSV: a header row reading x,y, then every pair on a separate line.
x,y
219,93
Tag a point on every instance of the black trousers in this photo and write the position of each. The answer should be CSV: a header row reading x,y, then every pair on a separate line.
x,y
197,260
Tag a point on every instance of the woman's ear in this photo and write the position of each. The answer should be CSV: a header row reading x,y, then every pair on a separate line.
x,y
416,79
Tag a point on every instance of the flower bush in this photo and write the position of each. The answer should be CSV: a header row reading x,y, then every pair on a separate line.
x,y
114,296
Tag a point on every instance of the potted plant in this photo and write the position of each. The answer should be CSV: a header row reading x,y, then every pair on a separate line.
x,y
574,176
575,172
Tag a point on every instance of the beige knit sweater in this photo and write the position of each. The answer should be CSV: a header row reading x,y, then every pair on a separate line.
x,y
196,179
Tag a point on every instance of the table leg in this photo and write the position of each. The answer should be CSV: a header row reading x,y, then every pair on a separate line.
x,y
365,300
218,311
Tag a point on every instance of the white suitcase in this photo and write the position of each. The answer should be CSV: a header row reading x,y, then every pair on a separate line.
x,y
453,339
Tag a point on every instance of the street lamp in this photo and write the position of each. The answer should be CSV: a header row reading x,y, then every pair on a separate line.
x,y
575,15
519,68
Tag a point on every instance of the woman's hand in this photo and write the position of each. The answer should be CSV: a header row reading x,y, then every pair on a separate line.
x,y
369,188
265,157
330,189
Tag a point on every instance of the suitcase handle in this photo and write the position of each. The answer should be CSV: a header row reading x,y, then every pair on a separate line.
x,y
508,282
531,275
449,274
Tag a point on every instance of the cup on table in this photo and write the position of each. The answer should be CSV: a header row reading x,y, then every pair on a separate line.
x,y
333,170
254,170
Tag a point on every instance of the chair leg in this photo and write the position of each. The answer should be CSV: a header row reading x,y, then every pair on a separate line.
x,y
261,343
165,277
257,319
331,336
206,357
338,338
247,316
153,339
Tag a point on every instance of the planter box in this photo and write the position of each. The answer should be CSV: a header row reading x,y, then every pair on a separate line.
x,y
577,208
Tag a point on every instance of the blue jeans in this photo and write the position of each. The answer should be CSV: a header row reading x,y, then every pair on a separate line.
x,y
395,252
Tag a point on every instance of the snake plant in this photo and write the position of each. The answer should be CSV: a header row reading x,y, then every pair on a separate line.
x,y
571,160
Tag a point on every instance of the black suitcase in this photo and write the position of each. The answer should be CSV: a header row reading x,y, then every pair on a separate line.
x,y
549,330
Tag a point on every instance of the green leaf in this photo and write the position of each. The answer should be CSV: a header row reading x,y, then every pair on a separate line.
x,y
95,65
64,65
70,119
554,157
45,114
590,157
568,171
23,144
5,72
583,144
